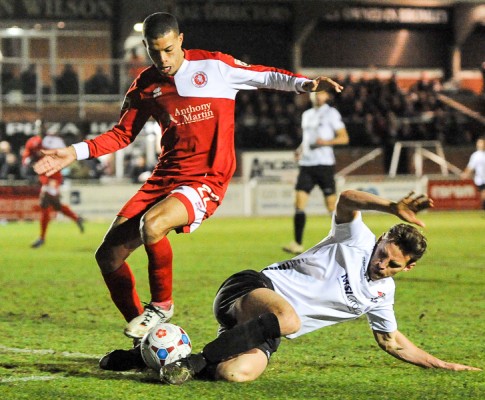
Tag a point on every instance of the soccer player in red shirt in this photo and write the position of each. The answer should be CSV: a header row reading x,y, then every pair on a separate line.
x,y
191,94
50,197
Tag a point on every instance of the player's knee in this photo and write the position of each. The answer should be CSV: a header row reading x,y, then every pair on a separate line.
x,y
237,374
154,227
105,259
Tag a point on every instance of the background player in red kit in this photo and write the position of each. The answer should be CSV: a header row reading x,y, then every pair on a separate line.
x,y
191,94
50,197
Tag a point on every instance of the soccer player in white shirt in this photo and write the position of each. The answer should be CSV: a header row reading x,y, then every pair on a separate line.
x,y
476,168
322,128
347,275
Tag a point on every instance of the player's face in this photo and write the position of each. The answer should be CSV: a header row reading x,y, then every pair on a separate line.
x,y
322,98
166,52
387,261
481,144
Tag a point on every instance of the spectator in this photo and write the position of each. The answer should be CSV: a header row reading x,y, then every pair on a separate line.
x,y
67,82
13,88
28,79
9,163
99,83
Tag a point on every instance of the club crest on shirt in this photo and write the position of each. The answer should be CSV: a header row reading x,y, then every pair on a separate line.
x,y
199,79
380,296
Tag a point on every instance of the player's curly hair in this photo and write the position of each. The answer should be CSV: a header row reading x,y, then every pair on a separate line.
x,y
159,24
411,242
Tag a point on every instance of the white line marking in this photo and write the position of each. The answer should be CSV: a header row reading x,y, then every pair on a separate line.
x,y
69,354
31,378
6,349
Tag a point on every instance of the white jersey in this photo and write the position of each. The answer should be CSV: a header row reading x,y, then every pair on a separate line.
x,y
327,284
321,122
477,164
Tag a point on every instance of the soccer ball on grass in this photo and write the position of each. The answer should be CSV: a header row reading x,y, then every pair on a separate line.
x,y
164,344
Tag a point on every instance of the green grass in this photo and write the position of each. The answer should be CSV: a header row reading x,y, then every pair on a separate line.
x,y
53,298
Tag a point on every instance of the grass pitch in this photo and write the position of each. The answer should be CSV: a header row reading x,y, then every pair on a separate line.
x,y
56,317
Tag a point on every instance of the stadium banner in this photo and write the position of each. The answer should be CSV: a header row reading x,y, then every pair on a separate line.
x,y
278,198
392,188
272,166
19,203
454,194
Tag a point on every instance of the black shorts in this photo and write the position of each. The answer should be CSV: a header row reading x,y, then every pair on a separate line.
x,y
233,288
321,175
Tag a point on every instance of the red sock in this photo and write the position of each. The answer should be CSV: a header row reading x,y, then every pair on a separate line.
x,y
160,258
121,285
44,221
68,212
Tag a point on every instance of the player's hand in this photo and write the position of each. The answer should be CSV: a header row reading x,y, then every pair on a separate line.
x,y
459,367
410,205
322,83
55,160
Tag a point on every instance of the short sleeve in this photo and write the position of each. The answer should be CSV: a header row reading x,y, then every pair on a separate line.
x,y
382,319
354,233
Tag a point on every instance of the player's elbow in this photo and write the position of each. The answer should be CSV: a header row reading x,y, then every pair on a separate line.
x,y
345,200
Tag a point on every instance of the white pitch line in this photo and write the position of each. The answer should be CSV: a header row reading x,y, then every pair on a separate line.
x,y
6,349
31,378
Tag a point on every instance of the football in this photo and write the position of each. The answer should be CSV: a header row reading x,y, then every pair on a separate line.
x,y
164,344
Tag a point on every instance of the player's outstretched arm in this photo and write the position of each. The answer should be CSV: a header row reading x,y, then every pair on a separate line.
x,y
322,83
55,160
399,346
351,201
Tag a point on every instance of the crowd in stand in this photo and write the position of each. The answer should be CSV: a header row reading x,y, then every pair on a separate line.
x,y
377,113
22,86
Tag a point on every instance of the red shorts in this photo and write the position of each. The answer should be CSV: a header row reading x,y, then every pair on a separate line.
x,y
198,198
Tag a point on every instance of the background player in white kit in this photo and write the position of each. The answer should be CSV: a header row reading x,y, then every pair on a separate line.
x,y
347,275
476,168
322,128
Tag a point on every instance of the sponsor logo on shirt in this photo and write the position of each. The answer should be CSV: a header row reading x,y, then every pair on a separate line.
x,y
353,304
157,92
191,114
241,63
199,79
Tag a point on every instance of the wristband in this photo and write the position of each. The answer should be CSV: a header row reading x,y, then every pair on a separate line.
x,y
82,150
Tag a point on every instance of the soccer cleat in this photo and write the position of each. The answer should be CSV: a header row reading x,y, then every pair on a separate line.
x,y
151,316
294,248
177,372
39,242
80,224
122,360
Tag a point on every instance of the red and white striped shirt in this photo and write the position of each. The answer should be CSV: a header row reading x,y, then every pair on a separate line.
x,y
195,110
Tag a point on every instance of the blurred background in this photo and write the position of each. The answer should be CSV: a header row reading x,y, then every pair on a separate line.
x,y
413,104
